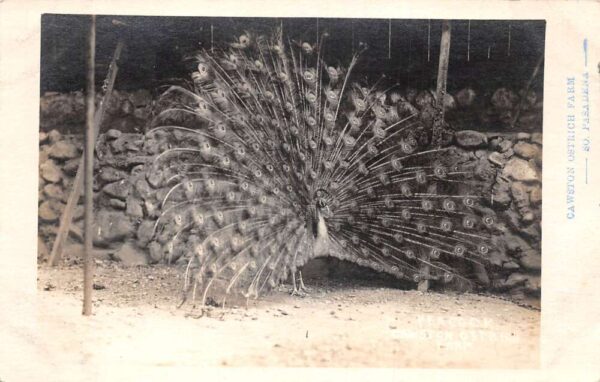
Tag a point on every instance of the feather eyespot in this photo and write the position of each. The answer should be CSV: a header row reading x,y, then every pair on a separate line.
x,y
449,205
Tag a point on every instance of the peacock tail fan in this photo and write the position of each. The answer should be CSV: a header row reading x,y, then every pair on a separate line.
x,y
272,157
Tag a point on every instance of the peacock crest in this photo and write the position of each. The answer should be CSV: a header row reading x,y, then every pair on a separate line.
x,y
272,157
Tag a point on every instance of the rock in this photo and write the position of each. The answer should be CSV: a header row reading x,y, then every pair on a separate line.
x,y
497,159
504,99
43,137
47,212
137,170
537,138
118,190
110,227
481,274
510,265
154,177
78,212
505,145
50,171
71,166
117,204
110,174
54,136
151,209
501,193
531,260
424,99
145,232
533,285
470,139
519,169
515,279
535,195
520,194
465,97
134,207
53,191
141,97
47,230
42,249
44,153
527,150
74,251
143,188
516,245
131,255
480,153
493,143
156,252
113,134
64,150
76,232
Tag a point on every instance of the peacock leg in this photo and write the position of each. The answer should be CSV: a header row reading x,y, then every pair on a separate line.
x,y
301,291
303,287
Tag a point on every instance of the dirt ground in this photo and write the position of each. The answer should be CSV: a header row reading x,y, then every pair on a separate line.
x,y
338,324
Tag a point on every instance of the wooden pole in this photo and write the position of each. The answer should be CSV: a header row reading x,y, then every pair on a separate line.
x,y
90,138
442,78
67,215
536,70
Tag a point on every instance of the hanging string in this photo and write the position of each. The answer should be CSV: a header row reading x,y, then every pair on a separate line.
x,y
469,42
428,40
508,48
389,39
352,27
211,37
317,30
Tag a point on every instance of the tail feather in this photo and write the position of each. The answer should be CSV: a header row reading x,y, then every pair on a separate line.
x,y
285,158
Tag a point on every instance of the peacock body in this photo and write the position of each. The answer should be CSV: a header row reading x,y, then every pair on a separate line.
x,y
273,157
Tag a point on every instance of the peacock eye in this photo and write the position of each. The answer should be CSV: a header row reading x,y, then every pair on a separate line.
x,y
421,177
446,225
440,171
468,222
469,202
449,205
459,250
427,205
488,220
483,249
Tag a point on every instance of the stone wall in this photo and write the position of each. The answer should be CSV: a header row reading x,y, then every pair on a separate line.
x,y
127,202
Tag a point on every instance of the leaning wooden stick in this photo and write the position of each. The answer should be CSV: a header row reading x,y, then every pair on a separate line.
x,y
67,215
536,70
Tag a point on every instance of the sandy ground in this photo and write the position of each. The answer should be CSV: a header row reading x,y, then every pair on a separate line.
x,y
137,327
136,321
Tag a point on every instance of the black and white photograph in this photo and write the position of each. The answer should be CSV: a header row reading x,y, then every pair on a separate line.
x,y
228,191
302,173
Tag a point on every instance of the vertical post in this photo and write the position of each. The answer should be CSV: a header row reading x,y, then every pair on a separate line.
x,y
88,262
438,122
424,271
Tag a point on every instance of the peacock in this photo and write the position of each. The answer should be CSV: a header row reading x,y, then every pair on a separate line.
x,y
271,157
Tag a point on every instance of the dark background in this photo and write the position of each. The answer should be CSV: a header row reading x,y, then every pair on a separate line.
x,y
156,48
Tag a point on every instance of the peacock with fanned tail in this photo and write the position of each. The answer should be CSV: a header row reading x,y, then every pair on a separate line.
x,y
271,157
